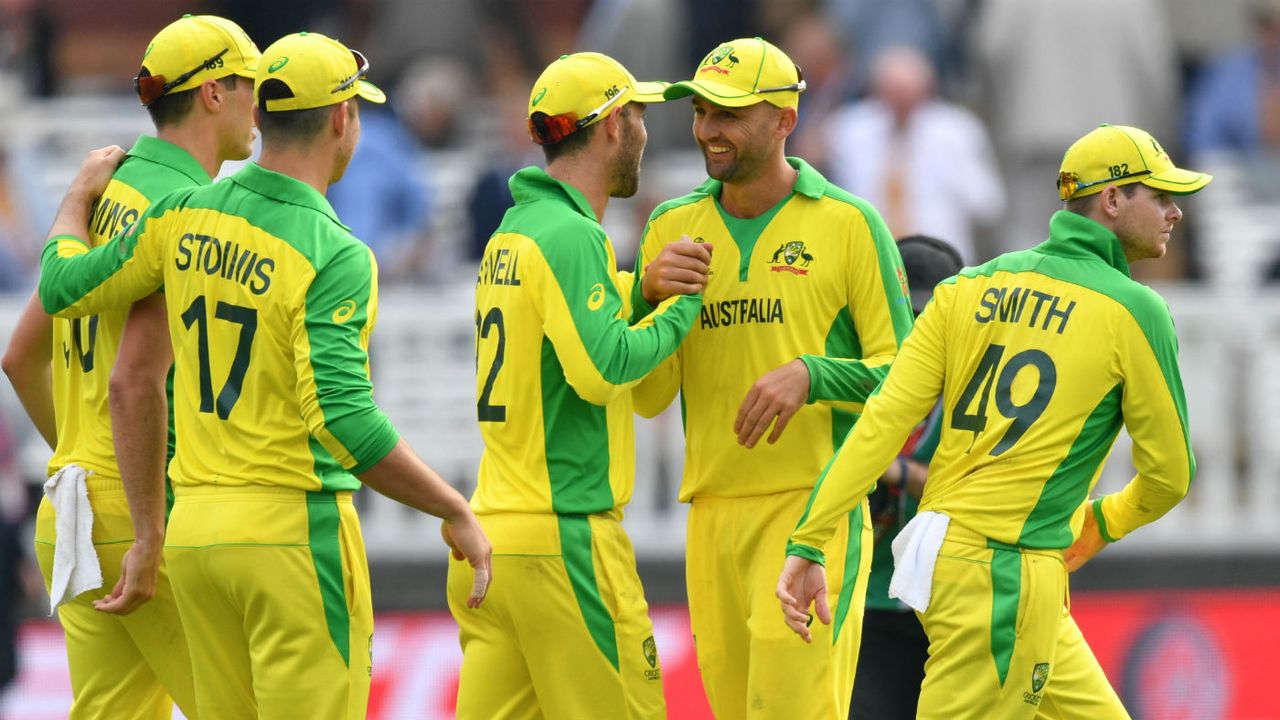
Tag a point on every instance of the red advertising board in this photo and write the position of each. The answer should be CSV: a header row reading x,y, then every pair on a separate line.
x,y
1172,655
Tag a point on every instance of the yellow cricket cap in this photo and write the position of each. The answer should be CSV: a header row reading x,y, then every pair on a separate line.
x,y
744,72
1122,155
578,90
191,50
318,71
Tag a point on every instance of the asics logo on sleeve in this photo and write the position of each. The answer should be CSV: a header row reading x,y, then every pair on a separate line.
x,y
345,311
596,299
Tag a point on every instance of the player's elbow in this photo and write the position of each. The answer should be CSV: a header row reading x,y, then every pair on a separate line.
x,y
19,365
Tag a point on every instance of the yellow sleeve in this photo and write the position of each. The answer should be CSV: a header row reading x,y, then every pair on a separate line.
x,y
1155,414
908,393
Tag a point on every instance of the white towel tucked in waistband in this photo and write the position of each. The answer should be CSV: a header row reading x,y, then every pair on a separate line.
x,y
75,562
915,551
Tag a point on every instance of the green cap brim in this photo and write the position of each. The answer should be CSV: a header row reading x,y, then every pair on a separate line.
x,y
1178,181
713,92
370,92
650,91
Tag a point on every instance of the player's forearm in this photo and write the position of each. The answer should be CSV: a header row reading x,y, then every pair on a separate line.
x,y
139,418
27,364
402,476
617,356
844,379
1142,501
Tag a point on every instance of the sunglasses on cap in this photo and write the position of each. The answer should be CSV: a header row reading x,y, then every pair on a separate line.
x,y
362,69
1068,183
151,88
798,86
551,129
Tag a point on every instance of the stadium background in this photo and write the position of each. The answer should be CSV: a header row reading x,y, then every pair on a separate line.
x,y
1184,615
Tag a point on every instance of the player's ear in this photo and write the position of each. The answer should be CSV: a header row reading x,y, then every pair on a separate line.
x,y
210,93
1109,201
612,124
787,119
339,118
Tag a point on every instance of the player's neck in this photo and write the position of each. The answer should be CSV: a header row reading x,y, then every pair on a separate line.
x,y
305,163
755,196
198,140
587,178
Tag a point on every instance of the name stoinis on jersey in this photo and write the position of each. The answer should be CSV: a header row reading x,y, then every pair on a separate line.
x,y
226,259
499,267
1019,305
740,311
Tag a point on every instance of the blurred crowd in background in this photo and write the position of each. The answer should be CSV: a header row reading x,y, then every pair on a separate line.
x,y
950,116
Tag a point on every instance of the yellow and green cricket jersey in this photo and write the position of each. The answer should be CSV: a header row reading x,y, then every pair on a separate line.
x,y
817,277
1039,356
556,359
270,304
84,349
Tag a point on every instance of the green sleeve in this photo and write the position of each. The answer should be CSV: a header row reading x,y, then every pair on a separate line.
x,y
76,281
601,352
338,407
880,311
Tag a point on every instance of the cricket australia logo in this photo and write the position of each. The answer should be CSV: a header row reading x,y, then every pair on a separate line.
x,y
650,649
1039,676
723,54
791,253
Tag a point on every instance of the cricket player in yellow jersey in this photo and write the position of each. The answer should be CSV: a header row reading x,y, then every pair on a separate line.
x,y
196,82
804,310
270,302
566,633
1039,357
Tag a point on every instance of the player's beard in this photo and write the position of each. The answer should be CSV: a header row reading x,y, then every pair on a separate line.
x,y
624,173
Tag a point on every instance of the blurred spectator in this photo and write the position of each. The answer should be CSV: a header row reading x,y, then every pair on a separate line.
x,y
18,241
433,97
27,38
649,37
382,196
1050,72
1234,105
813,44
925,164
875,25
490,196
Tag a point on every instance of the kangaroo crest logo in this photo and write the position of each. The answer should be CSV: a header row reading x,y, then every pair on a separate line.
x,y
791,253
650,651
723,54
1039,676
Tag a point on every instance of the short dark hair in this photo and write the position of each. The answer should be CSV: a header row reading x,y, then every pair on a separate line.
x,y
1084,205
173,108
290,125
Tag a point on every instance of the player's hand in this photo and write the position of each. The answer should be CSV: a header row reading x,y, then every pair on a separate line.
x,y
681,268
1086,546
95,173
137,584
467,541
802,583
778,394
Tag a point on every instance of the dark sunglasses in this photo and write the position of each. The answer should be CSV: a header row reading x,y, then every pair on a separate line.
x,y
153,87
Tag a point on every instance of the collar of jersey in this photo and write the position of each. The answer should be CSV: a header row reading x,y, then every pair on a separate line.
x,y
285,189
809,182
1073,235
163,152
534,183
